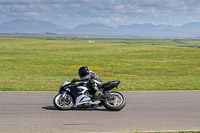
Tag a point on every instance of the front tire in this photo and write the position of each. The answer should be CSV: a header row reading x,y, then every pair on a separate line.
x,y
116,103
63,103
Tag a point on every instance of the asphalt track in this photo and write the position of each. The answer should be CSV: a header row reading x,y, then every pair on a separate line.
x,y
33,112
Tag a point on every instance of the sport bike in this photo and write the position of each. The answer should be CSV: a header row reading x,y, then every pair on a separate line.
x,y
80,95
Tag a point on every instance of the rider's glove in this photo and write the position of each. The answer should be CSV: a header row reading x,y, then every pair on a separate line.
x,y
74,80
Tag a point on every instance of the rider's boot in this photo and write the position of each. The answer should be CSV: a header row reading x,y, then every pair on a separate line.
x,y
97,94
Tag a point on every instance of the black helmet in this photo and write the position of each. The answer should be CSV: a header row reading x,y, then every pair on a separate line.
x,y
83,71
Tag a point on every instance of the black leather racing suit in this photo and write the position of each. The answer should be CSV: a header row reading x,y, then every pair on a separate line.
x,y
93,79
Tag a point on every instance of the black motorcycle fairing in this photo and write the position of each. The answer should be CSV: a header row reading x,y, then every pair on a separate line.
x,y
68,85
64,88
71,89
85,84
88,86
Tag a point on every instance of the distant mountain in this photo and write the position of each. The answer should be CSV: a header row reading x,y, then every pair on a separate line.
x,y
29,26
146,29
94,28
191,26
190,29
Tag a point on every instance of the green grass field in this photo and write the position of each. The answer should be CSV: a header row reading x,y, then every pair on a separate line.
x,y
170,42
36,64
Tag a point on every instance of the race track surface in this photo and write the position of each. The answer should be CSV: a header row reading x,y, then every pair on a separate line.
x,y
33,112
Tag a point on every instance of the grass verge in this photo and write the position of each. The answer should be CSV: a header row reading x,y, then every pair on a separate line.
x,y
42,65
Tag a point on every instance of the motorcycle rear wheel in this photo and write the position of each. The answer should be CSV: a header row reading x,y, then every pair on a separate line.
x,y
63,103
116,103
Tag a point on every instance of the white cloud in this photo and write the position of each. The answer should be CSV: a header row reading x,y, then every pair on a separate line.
x,y
119,7
75,5
32,14
112,12
18,7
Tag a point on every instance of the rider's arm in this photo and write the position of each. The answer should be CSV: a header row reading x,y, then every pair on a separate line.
x,y
84,78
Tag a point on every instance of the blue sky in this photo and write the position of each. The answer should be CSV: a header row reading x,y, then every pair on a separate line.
x,y
70,13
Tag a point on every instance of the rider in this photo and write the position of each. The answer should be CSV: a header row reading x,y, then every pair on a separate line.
x,y
87,75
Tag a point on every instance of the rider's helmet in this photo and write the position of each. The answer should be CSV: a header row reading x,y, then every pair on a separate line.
x,y
83,71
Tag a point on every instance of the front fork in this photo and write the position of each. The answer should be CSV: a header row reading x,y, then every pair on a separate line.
x,y
64,93
65,96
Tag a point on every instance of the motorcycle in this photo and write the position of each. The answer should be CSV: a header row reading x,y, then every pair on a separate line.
x,y
71,95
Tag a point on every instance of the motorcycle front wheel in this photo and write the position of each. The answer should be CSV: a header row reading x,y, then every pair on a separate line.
x,y
116,102
63,102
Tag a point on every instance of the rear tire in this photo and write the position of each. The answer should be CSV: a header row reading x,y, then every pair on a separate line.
x,y
117,103
63,103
